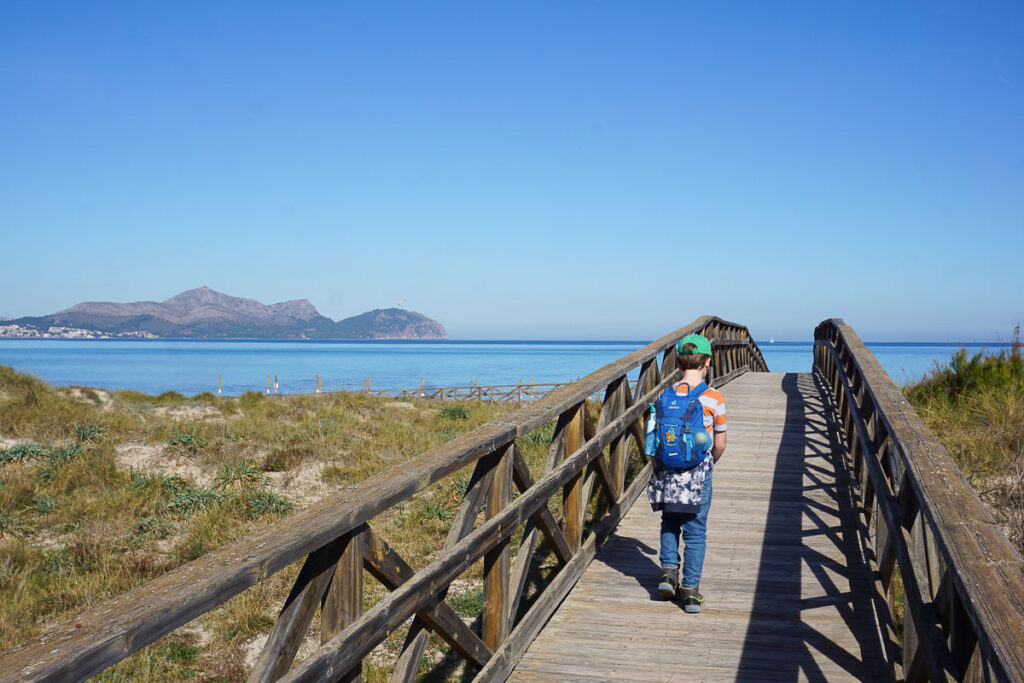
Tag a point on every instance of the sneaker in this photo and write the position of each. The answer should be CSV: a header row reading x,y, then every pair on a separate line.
x,y
669,582
692,600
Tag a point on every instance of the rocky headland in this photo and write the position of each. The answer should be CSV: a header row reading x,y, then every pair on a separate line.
x,y
204,313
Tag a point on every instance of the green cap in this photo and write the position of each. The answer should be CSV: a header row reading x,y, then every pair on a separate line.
x,y
701,343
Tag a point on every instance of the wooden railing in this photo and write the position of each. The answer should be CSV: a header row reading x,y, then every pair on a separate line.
x,y
588,467
962,582
509,393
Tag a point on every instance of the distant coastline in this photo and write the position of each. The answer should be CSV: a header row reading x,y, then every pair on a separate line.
x,y
303,340
203,313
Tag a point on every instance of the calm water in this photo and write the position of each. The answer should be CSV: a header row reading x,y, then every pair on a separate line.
x,y
191,367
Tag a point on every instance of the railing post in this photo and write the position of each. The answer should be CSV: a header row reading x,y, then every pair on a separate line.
x,y
496,561
618,451
574,507
343,602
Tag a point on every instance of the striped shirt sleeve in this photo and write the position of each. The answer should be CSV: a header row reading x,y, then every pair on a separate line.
x,y
714,410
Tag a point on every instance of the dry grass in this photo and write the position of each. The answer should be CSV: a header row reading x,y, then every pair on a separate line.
x,y
975,407
79,522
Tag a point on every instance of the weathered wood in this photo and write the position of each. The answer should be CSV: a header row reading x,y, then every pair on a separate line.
x,y
390,569
520,571
496,560
922,629
986,572
574,504
786,599
504,659
300,607
359,638
543,517
618,451
343,602
480,482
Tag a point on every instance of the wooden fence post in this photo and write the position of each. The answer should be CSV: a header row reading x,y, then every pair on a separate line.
x,y
496,561
219,387
573,503
343,602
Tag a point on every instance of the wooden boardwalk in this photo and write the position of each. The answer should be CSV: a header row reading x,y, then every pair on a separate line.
x,y
785,581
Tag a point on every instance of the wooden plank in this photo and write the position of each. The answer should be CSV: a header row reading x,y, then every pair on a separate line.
x,y
543,517
574,504
296,615
480,482
376,623
496,560
922,629
343,602
787,597
501,664
986,571
389,568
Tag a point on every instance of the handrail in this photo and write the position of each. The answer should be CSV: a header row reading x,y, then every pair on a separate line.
x,y
474,392
963,582
338,541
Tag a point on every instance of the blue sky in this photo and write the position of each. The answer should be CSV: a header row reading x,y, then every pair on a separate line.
x,y
523,170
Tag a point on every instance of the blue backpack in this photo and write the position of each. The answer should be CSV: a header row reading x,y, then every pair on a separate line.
x,y
676,434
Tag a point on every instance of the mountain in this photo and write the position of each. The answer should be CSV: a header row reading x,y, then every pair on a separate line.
x,y
203,313
390,323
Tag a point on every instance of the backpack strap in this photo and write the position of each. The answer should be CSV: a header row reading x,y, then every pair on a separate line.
x,y
696,391
694,397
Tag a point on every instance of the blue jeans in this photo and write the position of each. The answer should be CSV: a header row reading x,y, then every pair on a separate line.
x,y
694,527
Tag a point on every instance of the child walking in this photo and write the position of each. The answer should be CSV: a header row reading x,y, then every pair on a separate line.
x,y
684,496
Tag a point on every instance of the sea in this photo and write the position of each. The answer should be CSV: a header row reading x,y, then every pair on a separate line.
x,y
191,367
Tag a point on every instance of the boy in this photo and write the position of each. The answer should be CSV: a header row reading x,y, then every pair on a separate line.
x,y
684,496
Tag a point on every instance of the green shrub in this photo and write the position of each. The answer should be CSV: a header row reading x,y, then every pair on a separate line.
x,y
244,473
454,413
975,407
250,399
542,436
178,651
88,432
284,459
194,499
54,458
265,502
44,504
170,484
59,564
468,604
189,442
22,452
966,374
12,525
433,508
149,528
64,454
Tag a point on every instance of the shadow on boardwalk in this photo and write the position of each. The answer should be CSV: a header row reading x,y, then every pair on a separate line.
x,y
776,622
787,588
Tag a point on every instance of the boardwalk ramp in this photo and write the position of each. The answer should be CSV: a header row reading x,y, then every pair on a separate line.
x,y
787,588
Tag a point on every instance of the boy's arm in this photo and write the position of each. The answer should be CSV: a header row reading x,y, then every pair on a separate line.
x,y
718,446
